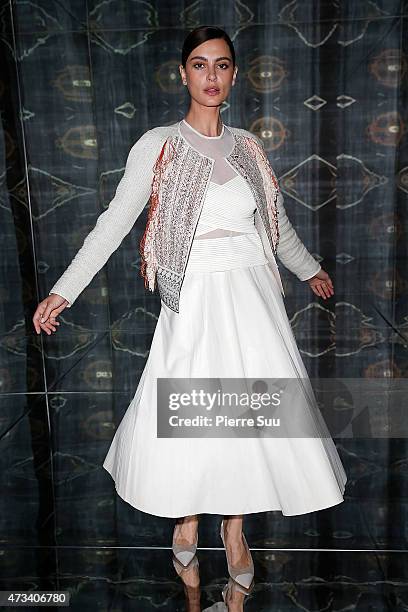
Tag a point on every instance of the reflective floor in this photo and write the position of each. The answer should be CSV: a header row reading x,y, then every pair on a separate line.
x,y
120,579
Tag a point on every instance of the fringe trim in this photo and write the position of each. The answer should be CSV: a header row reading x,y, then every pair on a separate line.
x,y
271,188
147,250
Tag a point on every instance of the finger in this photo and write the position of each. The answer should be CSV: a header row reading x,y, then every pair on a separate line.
x,y
44,316
37,318
51,325
36,324
38,313
49,310
320,290
48,327
326,290
45,328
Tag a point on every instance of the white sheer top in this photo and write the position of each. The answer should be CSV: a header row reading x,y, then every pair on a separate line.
x,y
227,214
229,205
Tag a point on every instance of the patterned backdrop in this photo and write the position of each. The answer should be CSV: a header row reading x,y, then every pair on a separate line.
x,y
324,84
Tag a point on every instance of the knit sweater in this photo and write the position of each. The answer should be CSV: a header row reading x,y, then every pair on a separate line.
x,y
131,196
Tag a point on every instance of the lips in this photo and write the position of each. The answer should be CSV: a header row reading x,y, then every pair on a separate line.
x,y
212,91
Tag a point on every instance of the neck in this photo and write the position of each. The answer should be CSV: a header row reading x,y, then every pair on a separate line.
x,y
208,122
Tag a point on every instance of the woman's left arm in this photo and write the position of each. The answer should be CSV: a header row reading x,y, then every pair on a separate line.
x,y
295,256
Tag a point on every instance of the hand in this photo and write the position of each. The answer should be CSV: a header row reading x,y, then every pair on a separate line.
x,y
47,311
321,284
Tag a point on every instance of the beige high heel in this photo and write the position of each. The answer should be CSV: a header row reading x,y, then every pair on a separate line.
x,y
180,568
232,587
184,554
242,575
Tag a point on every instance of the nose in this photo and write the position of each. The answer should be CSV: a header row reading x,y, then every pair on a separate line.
x,y
211,74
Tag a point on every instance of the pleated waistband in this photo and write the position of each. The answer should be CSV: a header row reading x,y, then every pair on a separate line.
x,y
226,253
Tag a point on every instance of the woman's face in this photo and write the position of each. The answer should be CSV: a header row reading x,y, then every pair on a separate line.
x,y
209,73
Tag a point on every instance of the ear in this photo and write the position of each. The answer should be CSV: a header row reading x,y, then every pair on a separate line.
x,y
182,73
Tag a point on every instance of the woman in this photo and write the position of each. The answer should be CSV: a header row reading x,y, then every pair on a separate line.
x,y
216,220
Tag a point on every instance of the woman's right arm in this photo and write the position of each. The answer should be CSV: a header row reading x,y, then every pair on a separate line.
x,y
131,196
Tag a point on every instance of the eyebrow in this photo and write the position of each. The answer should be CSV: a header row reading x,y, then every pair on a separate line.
x,y
206,59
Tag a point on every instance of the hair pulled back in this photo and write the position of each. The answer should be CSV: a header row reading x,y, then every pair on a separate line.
x,y
200,35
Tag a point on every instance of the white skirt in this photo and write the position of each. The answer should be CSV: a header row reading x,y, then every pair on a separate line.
x,y
232,323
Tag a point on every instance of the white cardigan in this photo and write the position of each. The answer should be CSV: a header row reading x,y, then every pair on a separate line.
x,y
131,196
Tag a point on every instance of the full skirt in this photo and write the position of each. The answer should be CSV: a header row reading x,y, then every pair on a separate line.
x,y
232,323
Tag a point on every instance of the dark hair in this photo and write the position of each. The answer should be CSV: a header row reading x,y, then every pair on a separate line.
x,y
202,34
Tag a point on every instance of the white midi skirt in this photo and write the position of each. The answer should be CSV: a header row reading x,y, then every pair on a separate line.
x,y
232,323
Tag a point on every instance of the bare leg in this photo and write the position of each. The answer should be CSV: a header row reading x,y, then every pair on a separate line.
x,y
184,534
185,529
233,541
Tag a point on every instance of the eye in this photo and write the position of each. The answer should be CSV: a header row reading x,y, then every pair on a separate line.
x,y
226,66
198,64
